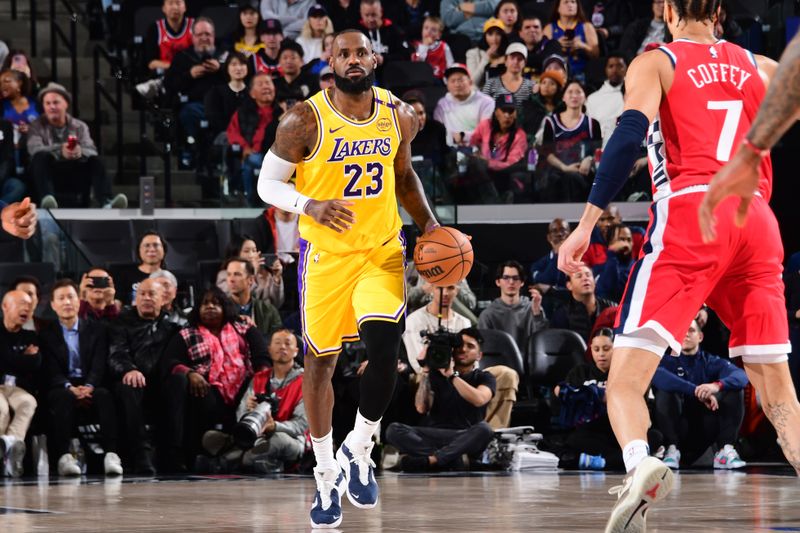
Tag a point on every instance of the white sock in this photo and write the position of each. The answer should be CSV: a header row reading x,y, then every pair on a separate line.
x,y
323,452
362,433
634,452
9,440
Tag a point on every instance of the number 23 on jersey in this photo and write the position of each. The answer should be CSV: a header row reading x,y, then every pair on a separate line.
x,y
353,173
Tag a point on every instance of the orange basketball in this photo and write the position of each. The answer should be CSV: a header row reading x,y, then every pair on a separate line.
x,y
443,256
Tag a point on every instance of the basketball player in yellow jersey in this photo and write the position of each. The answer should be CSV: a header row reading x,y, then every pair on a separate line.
x,y
350,148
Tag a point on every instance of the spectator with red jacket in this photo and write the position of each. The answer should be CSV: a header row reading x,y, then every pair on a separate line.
x,y
432,49
247,127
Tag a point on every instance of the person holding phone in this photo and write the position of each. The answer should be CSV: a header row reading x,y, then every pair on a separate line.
x,y
576,36
98,296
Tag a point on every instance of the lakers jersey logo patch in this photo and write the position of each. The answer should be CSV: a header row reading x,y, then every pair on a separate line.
x,y
384,125
344,148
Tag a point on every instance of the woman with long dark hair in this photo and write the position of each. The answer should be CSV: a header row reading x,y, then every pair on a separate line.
x,y
576,36
245,37
19,60
20,110
207,365
487,60
508,12
222,101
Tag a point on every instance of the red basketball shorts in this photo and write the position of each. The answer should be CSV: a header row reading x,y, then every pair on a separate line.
x,y
738,276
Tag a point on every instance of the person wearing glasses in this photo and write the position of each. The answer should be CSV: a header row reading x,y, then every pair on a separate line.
x,y
519,316
583,307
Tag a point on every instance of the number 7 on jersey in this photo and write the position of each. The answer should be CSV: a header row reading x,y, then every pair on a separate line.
x,y
733,111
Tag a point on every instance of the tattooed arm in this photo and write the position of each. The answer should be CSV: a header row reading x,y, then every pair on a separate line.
x,y
296,134
424,398
407,184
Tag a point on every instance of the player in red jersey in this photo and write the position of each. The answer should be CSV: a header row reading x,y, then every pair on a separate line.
x,y
693,99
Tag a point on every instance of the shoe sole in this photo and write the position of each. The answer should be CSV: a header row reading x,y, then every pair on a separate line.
x,y
652,482
341,487
345,465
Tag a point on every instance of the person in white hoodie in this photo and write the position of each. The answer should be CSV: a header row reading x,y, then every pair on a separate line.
x,y
462,107
606,104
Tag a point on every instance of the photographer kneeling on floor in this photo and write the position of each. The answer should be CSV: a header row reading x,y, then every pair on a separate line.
x,y
454,395
272,424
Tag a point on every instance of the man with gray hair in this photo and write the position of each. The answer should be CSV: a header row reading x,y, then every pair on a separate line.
x,y
169,283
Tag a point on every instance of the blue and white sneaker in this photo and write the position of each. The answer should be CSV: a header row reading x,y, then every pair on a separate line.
x,y
673,457
727,458
326,511
591,462
358,467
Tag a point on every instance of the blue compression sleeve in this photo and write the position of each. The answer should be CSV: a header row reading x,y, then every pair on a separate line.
x,y
619,155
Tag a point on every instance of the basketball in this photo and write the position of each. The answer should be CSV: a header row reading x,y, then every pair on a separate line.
x,y
443,256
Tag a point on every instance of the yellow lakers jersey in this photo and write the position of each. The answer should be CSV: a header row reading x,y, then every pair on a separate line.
x,y
354,161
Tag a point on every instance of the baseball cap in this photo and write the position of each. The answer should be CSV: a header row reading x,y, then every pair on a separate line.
x,y
493,23
517,48
554,58
271,26
457,67
326,71
317,10
504,101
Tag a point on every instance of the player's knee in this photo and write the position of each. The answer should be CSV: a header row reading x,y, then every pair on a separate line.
x,y
382,340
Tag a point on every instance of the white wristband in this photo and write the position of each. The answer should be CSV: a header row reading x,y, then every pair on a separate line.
x,y
273,186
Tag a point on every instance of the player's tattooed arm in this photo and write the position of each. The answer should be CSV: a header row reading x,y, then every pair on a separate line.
x,y
781,106
407,184
296,134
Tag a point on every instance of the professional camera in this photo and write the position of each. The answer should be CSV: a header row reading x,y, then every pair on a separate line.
x,y
441,345
251,425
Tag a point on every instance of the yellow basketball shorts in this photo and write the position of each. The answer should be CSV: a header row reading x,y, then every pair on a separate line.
x,y
338,292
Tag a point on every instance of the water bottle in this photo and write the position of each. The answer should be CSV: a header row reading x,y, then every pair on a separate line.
x,y
76,450
533,159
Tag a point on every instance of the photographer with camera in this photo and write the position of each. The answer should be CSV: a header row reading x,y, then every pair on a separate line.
x,y
454,394
98,296
272,425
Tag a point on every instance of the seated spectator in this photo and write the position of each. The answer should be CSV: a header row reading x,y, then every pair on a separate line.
x,y
33,288
222,101
20,360
646,31
462,108
619,263
388,41
583,307
193,73
507,12
245,37
343,13
268,283
511,81
430,144
246,132
207,364
62,151
699,402
98,296
610,18
410,15
19,109
315,28
606,104
467,18
487,60
11,188
169,283
74,357
137,343
266,60
418,295
501,150
545,274
290,14
286,236
283,437
320,66
538,45
19,60
597,252
593,436
455,400
576,36
556,62
292,80
569,140
543,104
241,278
517,315
151,252
164,40
432,49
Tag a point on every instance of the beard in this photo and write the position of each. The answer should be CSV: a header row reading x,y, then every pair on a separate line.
x,y
348,86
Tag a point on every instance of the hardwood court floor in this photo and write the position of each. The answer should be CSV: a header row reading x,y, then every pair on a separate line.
x,y
704,501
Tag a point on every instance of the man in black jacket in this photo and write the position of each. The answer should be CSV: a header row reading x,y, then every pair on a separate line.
x,y
19,366
583,307
137,342
388,40
74,354
644,31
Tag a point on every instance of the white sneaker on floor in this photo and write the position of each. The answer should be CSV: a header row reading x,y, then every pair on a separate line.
x,y
647,484
68,466
727,458
49,202
112,464
15,453
120,201
673,457
149,89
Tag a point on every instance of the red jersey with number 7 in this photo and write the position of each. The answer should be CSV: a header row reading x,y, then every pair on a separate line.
x,y
714,98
